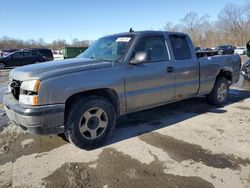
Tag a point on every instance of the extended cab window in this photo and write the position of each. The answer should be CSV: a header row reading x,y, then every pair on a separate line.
x,y
155,48
180,47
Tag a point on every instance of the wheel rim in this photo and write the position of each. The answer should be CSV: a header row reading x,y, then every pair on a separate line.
x,y
2,66
93,123
222,92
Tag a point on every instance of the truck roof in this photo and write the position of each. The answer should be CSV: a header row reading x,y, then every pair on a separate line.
x,y
149,32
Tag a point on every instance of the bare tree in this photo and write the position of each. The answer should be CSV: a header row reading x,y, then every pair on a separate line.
x,y
231,27
234,23
172,27
80,43
195,26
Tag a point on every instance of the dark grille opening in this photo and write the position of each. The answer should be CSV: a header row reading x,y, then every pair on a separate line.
x,y
15,88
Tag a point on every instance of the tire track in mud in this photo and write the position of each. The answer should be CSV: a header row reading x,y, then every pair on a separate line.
x,y
179,151
115,169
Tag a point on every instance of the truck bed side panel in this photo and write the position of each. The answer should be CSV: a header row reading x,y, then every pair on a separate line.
x,y
210,67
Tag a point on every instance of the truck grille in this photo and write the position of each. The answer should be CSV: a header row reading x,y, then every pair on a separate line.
x,y
15,88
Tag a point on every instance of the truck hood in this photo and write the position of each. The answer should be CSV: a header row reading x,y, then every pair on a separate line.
x,y
54,68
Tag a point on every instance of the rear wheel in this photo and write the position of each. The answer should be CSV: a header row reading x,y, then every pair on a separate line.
x,y
90,122
2,66
219,94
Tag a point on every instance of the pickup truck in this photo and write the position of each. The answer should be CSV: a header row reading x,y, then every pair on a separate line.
x,y
119,74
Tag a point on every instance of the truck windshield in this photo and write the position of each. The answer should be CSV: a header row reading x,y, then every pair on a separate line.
x,y
111,48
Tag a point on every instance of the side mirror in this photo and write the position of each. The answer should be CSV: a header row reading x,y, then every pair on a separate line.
x,y
140,57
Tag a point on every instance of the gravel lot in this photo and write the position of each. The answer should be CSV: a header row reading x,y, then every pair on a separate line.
x,y
186,144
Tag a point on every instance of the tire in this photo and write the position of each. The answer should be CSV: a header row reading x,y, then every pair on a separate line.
x,y
90,122
2,66
219,94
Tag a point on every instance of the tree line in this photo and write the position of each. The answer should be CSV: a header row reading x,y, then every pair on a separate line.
x,y
7,42
231,27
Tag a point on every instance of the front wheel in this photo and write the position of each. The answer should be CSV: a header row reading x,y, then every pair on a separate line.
x,y
90,122
219,94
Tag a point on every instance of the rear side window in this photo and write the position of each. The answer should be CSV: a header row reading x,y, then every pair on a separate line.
x,y
27,54
180,47
46,53
155,47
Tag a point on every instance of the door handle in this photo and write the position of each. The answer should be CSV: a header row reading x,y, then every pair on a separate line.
x,y
170,69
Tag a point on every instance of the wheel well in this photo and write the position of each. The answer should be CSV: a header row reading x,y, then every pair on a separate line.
x,y
227,74
109,94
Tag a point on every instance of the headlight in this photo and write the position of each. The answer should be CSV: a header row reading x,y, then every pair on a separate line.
x,y
29,92
31,85
28,99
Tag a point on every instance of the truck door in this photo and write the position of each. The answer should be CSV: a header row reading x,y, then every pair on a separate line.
x,y
150,83
185,65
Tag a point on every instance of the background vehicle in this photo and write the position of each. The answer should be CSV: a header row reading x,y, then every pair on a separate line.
x,y
197,48
6,52
240,50
46,53
248,49
206,52
71,52
226,49
245,72
118,74
20,58
57,54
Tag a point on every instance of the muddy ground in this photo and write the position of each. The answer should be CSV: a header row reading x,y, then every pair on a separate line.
x,y
186,144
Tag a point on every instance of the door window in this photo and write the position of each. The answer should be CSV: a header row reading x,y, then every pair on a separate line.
x,y
155,48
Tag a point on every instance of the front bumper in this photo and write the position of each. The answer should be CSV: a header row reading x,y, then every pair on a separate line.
x,y
42,120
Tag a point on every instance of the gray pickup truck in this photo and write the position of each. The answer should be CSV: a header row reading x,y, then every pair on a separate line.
x,y
118,74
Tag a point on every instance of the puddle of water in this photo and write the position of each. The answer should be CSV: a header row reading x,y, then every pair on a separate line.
x,y
115,169
180,151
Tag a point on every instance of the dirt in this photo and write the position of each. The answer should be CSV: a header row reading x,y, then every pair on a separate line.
x,y
180,151
13,145
114,169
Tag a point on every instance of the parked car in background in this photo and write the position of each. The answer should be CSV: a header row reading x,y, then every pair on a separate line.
x,y
57,54
245,71
206,52
225,49
46,53
197,48
6,52
242,50
20,58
